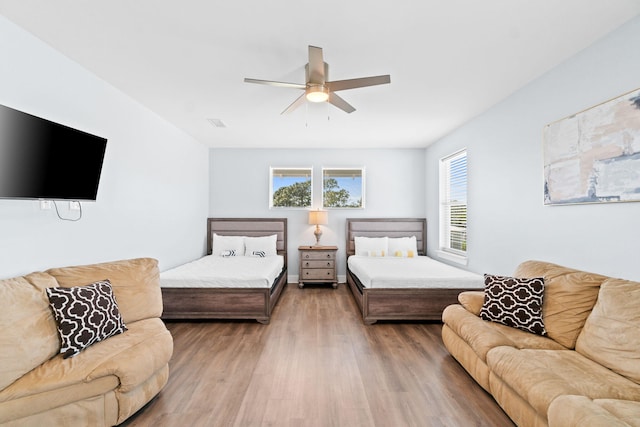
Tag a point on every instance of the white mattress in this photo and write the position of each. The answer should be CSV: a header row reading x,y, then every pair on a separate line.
x,y
418,272
224,272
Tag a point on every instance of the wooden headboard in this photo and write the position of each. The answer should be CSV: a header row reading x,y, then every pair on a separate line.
x,y
390,227
252,227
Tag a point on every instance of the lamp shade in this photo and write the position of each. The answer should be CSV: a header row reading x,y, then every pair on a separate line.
x,y
318,217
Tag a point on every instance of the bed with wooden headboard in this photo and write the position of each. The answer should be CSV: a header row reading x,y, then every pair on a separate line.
x,y
229,301
395,299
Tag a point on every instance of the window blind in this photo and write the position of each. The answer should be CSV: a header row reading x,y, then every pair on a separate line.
x,y
453,203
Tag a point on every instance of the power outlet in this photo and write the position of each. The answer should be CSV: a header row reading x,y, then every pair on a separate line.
x,y
45,204
74,206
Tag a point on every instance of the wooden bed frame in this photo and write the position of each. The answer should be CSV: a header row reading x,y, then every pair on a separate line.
x,y
231,303
395,303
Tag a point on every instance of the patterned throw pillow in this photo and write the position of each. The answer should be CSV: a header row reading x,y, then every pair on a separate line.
x,y
228,253
85,315
403,254
374,253
514,302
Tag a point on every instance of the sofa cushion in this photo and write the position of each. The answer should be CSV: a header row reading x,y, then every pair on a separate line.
x,y
482,336
514,302
627,411
135,282
20,411
580,411
85,315
611,334
539,376
28,332
131,358
569,297
148,349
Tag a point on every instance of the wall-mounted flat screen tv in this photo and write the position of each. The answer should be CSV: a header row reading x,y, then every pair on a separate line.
x,y
40,159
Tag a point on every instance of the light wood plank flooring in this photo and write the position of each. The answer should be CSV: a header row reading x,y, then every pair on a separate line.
x,y
316,364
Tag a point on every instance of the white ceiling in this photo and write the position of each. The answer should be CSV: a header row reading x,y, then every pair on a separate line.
x,y
449,60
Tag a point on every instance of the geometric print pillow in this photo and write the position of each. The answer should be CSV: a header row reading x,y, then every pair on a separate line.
x,y
514,302
228,253
85,315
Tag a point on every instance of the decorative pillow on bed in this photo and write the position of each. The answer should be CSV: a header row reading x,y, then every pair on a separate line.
x,y
228,252
85,315
374,253
403,247
403,254
227,245
371,246
514,302
261,246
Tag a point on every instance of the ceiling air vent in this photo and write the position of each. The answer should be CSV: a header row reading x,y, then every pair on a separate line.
x,y
217,123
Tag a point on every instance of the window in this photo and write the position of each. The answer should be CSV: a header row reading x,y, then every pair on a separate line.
x,y
453,203
343,188
290,188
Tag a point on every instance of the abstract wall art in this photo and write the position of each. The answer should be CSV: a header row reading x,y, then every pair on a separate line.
x,y
594,156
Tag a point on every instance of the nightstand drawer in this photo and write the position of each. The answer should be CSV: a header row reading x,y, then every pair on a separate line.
x,y
318,264
318,255
319,274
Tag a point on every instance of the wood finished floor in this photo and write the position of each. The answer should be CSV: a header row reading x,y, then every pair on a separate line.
x,y
316,364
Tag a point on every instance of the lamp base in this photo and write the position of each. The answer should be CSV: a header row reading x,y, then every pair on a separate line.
x,y
318,234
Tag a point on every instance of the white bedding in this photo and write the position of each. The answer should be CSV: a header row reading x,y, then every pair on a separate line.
x,y
417,272
224,272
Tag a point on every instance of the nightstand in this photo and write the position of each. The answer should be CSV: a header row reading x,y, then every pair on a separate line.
x,y
318,265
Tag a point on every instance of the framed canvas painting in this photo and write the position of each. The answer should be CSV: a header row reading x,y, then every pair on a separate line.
x,y
594,156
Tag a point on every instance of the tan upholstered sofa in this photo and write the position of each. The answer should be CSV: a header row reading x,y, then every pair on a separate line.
x,y
584,372
103,384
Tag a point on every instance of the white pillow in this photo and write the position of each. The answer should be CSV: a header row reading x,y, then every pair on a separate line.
x,y
374,253
261,246
227,245
403,247
370,246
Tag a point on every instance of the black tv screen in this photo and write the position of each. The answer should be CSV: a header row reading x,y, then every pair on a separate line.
x,y
40,159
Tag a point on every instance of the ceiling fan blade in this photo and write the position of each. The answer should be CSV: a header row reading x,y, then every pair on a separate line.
x,y
295,104
340,103
316,65
279,84
356,83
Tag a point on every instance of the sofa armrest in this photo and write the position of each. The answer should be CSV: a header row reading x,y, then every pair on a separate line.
x,y
472,301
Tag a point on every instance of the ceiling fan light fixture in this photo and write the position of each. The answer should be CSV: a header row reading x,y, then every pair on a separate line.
x,y
317,93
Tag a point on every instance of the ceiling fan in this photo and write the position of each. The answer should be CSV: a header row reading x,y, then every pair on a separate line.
x,y
317,87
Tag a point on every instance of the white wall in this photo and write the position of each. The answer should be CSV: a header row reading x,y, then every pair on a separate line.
x,y
508,222
153,195
394,186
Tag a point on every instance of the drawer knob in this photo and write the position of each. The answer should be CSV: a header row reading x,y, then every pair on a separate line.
x,y
306,256
328,264
306,272
306,264
328,255
328,273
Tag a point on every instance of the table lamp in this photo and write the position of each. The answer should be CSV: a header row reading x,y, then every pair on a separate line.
x,y
316,218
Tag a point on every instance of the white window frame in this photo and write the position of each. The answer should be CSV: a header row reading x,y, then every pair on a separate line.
x,y
306,172
341,173
450,248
